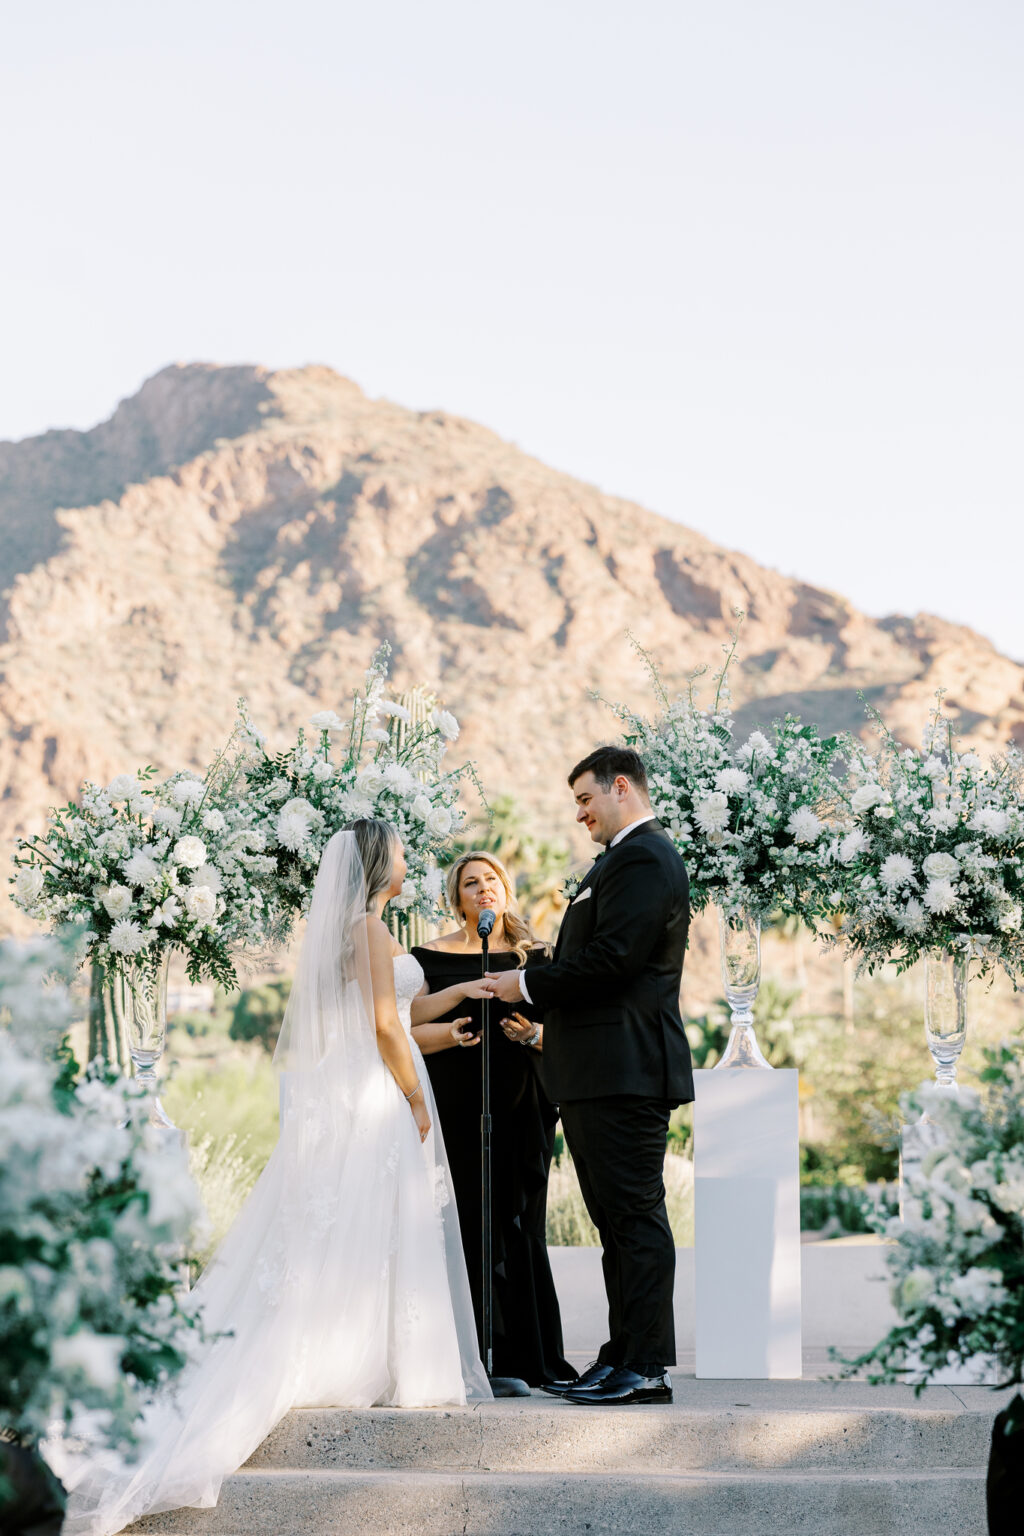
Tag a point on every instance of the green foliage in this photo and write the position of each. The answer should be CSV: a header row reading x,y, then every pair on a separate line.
x,y
259,1013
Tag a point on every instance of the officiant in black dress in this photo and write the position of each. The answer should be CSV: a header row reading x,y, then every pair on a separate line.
x,y
446,1020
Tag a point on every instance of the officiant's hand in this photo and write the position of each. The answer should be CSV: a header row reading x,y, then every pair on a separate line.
x,y
505,985
518,1028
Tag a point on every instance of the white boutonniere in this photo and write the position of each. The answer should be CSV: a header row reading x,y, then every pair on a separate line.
x,y
571,885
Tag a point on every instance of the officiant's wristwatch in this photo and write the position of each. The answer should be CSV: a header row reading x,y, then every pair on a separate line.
x,y
531,1039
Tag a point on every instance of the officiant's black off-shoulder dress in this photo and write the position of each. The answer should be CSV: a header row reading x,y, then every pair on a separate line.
x,y
527,1323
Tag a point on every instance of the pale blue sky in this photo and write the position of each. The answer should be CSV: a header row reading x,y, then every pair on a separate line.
x,y
754,263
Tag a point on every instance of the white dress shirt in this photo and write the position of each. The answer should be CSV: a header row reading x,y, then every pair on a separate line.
x,y
623,831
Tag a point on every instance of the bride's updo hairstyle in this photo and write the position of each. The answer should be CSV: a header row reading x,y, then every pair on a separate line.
x,y
520,935
376,843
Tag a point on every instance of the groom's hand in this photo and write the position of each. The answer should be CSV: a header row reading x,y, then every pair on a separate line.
x,y
505,985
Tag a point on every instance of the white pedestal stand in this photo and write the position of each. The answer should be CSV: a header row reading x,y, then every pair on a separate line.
x,y
747,1224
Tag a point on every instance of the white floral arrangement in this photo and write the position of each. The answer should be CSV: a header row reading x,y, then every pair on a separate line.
x,y
957,1255
751,819
930,854
142,866
93,1219
379,762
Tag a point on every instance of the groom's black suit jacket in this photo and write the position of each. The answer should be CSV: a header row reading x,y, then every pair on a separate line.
x,y
610,997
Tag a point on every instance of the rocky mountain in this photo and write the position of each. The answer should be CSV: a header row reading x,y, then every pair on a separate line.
x,y
240,531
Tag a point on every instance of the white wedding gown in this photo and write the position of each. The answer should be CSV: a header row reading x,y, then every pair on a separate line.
x,y
342,1283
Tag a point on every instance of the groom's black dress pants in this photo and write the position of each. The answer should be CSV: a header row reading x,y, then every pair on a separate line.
x,y
618,1147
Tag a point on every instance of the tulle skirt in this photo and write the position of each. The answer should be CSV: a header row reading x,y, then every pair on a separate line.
x,y
342,1283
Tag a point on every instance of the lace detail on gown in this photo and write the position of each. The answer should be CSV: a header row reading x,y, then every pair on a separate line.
x,y
342,1283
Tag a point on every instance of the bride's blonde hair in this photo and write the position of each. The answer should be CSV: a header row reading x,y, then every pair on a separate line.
x,y
520,935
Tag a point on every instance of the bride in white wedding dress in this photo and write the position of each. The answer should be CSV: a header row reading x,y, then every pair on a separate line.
x,y
342,1282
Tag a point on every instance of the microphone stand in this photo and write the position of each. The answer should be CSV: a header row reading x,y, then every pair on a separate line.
x,y
501,1386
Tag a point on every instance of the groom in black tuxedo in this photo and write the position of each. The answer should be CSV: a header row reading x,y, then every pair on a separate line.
x,y
617,1062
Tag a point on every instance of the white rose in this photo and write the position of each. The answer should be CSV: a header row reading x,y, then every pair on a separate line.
x,y
189,852
439,822
28,884
124,786
446,723
214,821
369,780
200,903
322,770
326,720
394,711
188,791
421,807
867,796
941,866
118,900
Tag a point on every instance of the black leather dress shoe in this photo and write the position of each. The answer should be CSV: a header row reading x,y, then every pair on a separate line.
x,y
594,1373
620,1387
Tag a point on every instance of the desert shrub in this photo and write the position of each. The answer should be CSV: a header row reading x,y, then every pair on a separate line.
x,y
259,1013
569,1226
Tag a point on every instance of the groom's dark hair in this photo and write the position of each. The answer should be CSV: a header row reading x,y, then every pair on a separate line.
x,y
609,763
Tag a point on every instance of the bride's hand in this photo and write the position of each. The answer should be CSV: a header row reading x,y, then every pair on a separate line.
x,y
479,987
459,1038
420,1114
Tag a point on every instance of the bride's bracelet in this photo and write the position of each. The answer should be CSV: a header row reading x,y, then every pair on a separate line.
x,y
412,1095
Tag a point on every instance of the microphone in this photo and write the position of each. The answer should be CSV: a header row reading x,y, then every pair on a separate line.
x,y
485,922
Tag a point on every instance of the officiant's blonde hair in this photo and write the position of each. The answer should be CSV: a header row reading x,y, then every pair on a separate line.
x,y
520,935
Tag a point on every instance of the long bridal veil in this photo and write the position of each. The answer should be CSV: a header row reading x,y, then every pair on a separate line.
x,y
342,1282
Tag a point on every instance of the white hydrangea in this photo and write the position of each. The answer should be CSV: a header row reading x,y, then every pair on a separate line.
x,y
991,820
978,1290
940,818
433,884
127,938
140,869
214,821
853,845
712,813
896,871
940,896
731,781
189,852
210,876
446,723
804,826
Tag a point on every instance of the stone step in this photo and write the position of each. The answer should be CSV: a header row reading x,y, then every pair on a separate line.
x,y
541,1435
336,1503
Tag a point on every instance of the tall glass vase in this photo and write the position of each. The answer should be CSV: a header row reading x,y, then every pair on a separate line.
x,y
142,1002
741,977
945,1011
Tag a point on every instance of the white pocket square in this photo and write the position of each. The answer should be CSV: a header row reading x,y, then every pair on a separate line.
x,y
583,896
